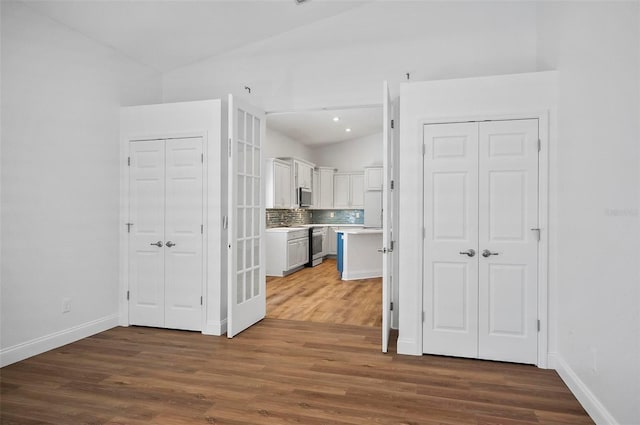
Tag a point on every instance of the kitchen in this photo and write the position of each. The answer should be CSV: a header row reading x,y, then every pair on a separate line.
x,y
323,196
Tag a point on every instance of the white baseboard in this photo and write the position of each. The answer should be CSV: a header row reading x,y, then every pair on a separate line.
x,y
408,347
45,343
589,401
366,274
217,328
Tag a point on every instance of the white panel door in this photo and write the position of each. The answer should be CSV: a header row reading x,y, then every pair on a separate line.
x,y
508,210
387,257
146,239
246,303
451,239
183,234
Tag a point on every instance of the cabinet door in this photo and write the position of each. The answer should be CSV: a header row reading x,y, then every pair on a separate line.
x,y
357,190
315,193
326,188
331,242
373,178
282,189
292,254
304,251
341,183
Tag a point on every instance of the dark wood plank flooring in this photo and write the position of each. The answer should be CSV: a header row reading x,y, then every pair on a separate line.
x,y
277,372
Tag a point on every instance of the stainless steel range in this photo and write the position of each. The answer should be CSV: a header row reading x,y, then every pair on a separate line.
x,y
316,246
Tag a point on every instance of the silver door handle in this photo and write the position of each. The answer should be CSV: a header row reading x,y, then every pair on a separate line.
x,y
158,244
469,252
383,250
486,253
170,244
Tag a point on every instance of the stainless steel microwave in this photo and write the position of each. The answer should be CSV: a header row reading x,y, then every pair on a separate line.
x,y
304,197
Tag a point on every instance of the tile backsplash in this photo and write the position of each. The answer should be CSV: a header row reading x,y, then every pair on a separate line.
x,y
285,217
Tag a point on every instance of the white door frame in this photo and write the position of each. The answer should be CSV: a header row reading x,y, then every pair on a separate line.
x,y
543,117
125,175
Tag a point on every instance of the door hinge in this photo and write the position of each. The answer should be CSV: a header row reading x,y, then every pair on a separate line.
x,y
538,325
392,123
127,295
539,145
391,246
128,227
537,230
225,222
202,158
202,229
128,161
391,306
200,299
393,184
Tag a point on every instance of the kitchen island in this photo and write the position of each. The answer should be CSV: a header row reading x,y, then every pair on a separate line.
x,y
360,256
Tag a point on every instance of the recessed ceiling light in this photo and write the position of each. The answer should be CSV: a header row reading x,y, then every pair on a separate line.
x,y
336,119
347,130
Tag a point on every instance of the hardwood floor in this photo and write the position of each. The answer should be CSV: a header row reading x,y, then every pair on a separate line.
x,y
317,295
276,372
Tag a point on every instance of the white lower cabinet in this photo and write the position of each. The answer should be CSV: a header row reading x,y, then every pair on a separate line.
x,y
287,250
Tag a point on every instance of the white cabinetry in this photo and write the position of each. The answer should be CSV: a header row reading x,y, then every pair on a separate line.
x,y
301,176
315,189
373,178
287,250
348,190
331,242
325,196
278,184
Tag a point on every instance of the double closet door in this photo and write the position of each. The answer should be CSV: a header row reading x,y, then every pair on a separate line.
x,y
166,233
480,277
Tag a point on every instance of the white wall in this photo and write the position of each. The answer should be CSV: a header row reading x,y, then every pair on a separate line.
x,y
61,95
483,97
279,145
595,48
209,120
312,66
352,155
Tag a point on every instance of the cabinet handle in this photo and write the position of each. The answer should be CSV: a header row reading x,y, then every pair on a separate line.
x,y
170,244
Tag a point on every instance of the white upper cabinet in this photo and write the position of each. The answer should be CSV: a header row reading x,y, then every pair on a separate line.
x,y
303,174
325,183
373,178
348,190
278,184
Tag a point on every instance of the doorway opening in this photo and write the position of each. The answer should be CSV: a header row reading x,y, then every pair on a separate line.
x,y
329,153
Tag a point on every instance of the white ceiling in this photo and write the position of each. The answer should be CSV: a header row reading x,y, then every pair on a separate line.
x,y
314,128
166,35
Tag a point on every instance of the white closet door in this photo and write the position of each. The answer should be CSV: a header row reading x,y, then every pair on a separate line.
x,y
508,211
146,240
247,302
183,234
451,228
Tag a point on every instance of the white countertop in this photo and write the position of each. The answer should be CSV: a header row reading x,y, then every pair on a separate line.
x,y
285,229
364,231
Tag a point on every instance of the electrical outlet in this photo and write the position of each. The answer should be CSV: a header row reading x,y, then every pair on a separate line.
x,y
332,214
358,215
66,305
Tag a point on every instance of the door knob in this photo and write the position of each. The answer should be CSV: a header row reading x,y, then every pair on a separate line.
x,y
469,252
486,253
170,244
158,244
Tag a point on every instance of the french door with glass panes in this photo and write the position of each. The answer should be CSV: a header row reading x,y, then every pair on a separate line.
x,y
246,280
481,240
165,237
